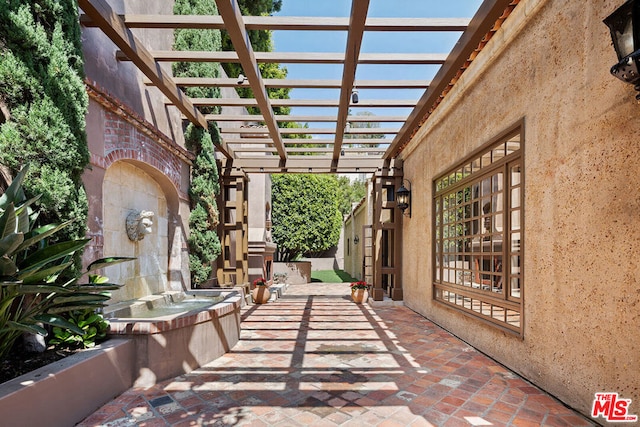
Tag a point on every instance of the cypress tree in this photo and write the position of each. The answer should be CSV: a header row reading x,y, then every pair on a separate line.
x,y
43,104
204,243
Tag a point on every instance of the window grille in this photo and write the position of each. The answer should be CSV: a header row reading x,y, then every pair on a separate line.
x,y
478,221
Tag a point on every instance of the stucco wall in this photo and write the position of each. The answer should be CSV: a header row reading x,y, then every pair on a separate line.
x,y
353,226
122,79
127,188
549,66
128,121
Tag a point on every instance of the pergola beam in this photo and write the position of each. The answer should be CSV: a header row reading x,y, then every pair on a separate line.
x,y
294,57
300,83
309,131
252,102
309,164
357,21
110,23
234,25
303,119
306,141
289,23
484,19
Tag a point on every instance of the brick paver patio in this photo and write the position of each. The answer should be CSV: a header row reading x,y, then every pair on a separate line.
x,y
314,358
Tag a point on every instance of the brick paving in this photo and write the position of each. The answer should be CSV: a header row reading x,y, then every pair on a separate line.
x,y
314,358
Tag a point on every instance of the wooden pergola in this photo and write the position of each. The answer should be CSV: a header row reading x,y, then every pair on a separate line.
x,y
267,148
255,143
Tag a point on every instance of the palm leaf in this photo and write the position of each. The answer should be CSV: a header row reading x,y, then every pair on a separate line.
x,y
105,262
14,191
10,243
54,320
99,287
43,275
75,297
7,268
43,289
27,327
8,221
41,233
49,254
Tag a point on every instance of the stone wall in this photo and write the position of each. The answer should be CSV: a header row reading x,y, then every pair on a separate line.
x,y
549,67
127,188
129,123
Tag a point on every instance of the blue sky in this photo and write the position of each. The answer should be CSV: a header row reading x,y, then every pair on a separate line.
x,y
374,42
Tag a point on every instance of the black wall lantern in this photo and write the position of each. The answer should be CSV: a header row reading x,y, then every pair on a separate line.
x,y
403,198
624,25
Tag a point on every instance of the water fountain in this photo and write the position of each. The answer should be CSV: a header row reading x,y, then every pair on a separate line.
x,y
175,329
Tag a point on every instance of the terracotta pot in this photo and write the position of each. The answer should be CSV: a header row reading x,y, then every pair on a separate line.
x,y
261,295
359,295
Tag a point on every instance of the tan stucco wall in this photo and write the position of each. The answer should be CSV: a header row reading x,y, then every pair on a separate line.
x,y
122,79
549,65
353,253
127,188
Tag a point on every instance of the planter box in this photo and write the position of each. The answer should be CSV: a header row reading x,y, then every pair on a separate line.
x,y
65,392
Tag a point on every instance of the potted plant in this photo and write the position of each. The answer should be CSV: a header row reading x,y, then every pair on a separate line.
x,y
359,291
260,292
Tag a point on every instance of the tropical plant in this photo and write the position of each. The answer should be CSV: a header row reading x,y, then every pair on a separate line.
x,y
33,290
94,325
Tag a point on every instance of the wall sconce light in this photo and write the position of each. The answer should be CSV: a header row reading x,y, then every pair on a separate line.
x,y
624,26
403,198
354,96
356,239
241,78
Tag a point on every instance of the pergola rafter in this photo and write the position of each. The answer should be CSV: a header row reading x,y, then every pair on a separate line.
x,y
303,23
294,57
330,148
234,26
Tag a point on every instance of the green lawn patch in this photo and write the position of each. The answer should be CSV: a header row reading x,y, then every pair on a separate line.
x,y
331,276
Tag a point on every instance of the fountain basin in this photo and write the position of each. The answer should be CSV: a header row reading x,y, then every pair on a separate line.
x,y
171,341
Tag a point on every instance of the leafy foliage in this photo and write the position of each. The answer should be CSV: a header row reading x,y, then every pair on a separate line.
x,y
204,243
306,216
45,103
93,325
350,192
32,288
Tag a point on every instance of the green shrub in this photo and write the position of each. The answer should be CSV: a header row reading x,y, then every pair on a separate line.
x,y
42,89
94,326
306,215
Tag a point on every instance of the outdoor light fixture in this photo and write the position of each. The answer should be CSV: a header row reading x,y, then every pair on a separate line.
x,y
624,25
403,198
356,239
354,96
241,79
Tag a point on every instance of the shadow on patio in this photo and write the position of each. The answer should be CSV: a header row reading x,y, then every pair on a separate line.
x,y
321,360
